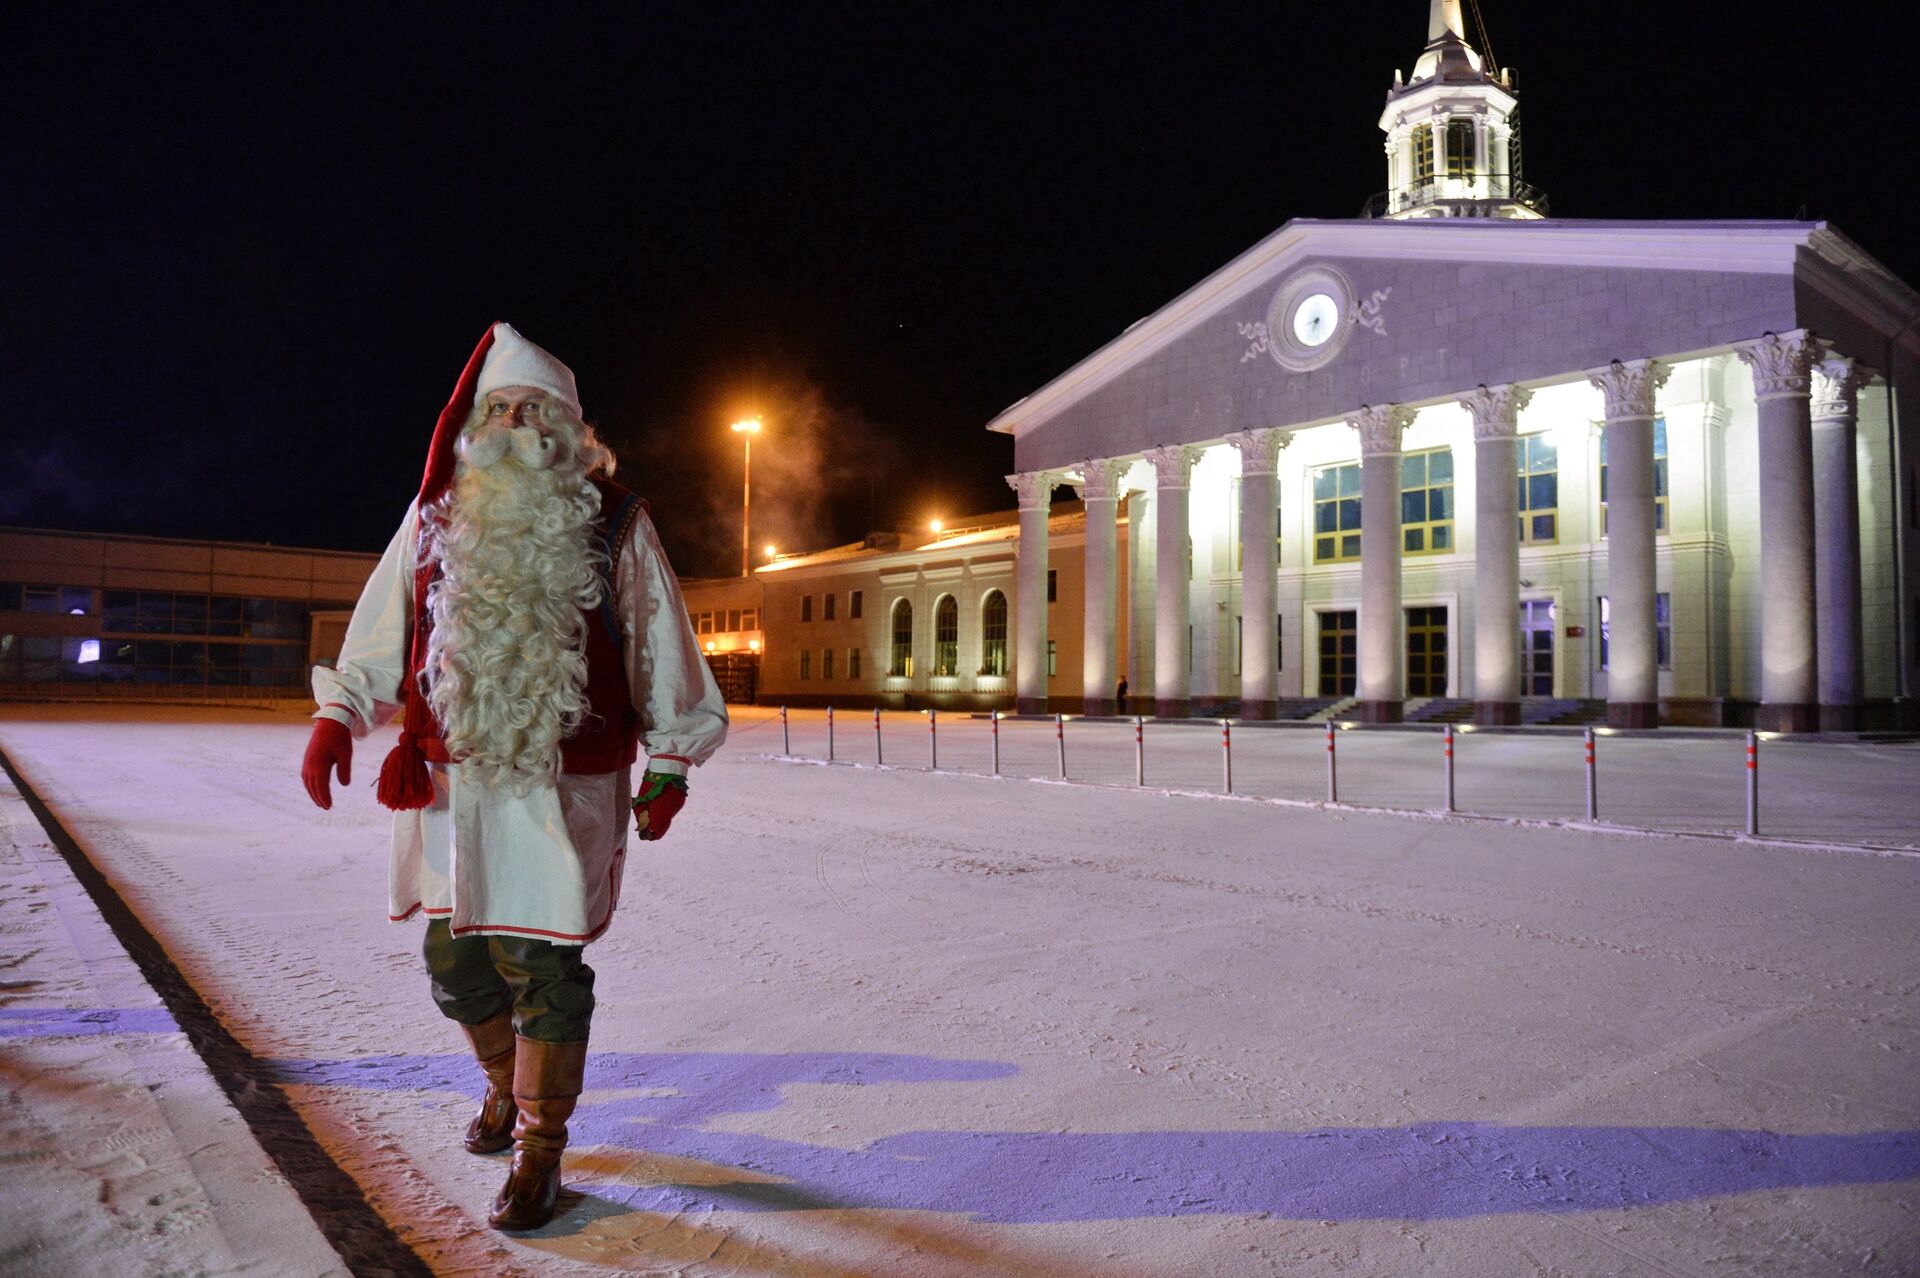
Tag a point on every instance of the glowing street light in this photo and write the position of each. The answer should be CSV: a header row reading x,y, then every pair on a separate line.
x,y
934,524
772,550
746,428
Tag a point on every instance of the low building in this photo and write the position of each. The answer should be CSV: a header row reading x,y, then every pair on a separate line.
x,y
85,614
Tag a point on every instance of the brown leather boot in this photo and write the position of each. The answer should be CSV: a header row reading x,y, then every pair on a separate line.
x,y
546,1086
492,1041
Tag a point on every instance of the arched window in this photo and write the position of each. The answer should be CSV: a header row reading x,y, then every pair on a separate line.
x,y
946,636
902,665
993,634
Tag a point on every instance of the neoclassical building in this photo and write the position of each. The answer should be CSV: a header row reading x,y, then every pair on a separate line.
x,y
1454,455
1462,449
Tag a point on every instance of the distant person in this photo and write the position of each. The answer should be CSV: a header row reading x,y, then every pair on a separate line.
x,y
1120,696
525,622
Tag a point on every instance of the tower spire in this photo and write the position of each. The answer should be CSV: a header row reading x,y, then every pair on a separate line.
x,y
1453,132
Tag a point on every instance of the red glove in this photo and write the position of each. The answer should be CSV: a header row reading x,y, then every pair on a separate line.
x,y
662,794
330,749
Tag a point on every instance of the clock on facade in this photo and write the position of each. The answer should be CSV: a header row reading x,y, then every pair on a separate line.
x,y
1314,318
1309,318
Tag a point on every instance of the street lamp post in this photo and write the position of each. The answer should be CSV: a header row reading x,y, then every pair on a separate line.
x,y
746,429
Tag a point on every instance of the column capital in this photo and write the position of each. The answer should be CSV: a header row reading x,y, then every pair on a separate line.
x,y
1172,465
1780,362
1629,386
1259,449
1380,426
1100,479
1034,488
1496,409
1837,380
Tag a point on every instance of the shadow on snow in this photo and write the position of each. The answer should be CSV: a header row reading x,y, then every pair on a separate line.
x,y
1422,1171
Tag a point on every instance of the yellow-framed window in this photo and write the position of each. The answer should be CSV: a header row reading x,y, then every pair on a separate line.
x,y
1426,502
1336,513
1422,152
1659,477
1539,503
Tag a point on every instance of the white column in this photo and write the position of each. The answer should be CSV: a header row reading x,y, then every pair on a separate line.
x,y
1496,554
1836,538
1259,572
1035,490
1099,673
1173,638
1633,659
1789,665
1382,624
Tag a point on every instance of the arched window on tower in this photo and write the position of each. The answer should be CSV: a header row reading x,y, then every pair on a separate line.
x,y
946,636
993,634
901,666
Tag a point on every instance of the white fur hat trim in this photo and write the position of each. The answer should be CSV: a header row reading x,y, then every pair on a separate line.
x,y
514,361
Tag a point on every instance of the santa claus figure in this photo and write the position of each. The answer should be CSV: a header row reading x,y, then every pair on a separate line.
x,y
525,623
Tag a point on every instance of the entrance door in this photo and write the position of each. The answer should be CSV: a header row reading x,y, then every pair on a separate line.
x,y
1427,652
1536,647
1339,654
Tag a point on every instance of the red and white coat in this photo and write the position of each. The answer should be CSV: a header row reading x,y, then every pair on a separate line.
x,y
547,864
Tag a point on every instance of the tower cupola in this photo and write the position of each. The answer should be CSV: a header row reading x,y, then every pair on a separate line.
x,y
1453,133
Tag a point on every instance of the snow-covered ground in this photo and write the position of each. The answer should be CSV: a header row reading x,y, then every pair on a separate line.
x,y
858,1021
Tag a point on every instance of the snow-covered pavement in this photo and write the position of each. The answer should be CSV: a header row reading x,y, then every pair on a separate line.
x,y
879,1022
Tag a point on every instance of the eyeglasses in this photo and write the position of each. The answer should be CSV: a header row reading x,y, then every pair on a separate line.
x,y
525,413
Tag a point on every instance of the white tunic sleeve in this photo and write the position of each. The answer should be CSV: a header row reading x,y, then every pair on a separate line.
x,y
362,690
683,717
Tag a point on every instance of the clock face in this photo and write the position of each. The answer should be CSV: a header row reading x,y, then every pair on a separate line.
x,y
1315,319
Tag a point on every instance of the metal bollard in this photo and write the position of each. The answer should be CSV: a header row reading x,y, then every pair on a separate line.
x,y
1753,783
1060,738
1593,782
933,739
1333,774
1226,755
829,734
996,743
786,742
1139,750
879,755
1446,792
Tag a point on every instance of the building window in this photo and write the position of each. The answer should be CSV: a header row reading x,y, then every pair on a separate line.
x,y
1662,630
1539,491
946,636
1339,654
1427,652
853,604
1053,659
1459,148
901,666
1659,477
826,662
733,620
853,663
1239,643
806,607
1426,502
749,618
1422,153
806,664
1053,585
826,606
62,600
993,634
1336,513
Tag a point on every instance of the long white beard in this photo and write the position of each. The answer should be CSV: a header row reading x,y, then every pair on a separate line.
x,y
506,667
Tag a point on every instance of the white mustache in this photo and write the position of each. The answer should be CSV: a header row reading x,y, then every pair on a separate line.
x,y
491,441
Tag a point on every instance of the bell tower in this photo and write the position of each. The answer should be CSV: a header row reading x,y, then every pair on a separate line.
x,y
1453,133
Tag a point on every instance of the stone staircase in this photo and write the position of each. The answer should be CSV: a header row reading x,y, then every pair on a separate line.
x,y
1564,712
1438,710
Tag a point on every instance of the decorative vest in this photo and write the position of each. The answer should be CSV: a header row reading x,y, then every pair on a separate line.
x,y
606,738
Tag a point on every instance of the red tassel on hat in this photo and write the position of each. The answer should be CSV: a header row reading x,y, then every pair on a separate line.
x,y
405,785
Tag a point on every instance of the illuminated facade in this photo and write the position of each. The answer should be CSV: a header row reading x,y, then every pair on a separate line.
x,y
1450,458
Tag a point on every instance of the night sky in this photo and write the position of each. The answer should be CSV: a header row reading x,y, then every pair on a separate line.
x,y
244,251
